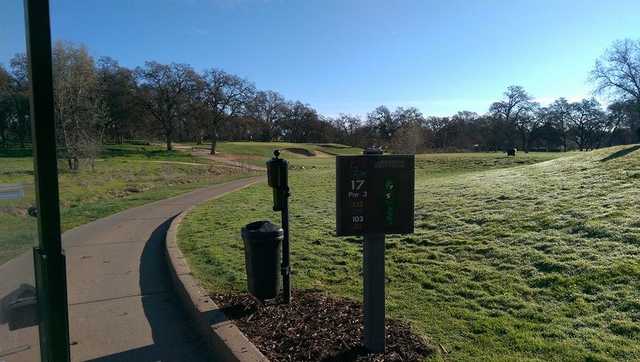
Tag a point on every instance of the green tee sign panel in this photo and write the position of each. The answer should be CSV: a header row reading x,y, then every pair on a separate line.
x,y
375,194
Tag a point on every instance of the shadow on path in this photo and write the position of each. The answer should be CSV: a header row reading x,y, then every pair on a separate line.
x,y
173,339
620,153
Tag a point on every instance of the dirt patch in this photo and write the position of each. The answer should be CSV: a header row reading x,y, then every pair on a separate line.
x,y
316,327
13,210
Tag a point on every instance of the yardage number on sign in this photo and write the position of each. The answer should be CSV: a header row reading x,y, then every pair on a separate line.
x,y
374,194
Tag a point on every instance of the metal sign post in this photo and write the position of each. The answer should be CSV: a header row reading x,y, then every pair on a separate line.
x,y
49,260
278,179
374,197
373,301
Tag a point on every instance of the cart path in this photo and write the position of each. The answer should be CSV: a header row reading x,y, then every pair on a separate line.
x,y
121,305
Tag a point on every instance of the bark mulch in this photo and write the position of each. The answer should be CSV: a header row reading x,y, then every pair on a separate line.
x,y
317,327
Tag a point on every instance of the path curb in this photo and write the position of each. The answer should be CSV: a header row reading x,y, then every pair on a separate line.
x,y
224,339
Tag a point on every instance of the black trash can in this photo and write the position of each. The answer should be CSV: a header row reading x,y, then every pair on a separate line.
x,y
262,250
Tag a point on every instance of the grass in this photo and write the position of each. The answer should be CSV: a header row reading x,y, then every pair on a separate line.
x,y
256,153
512,259
125,176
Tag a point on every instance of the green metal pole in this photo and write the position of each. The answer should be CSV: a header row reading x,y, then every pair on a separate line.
x,y
49,260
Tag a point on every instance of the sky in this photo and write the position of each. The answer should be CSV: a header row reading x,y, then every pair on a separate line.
x,y
348,56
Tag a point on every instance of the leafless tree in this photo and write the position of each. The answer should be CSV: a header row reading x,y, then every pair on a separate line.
x,y
225,96
117,87
559,112
17,89
268,107
79,110
515,109
617,73
165,92
618,70
587,124
7,112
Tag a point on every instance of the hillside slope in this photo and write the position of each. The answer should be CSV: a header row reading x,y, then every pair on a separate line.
x,y
540,260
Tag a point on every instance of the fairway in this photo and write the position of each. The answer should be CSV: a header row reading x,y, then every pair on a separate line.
x,y
256,153
512,258
125,176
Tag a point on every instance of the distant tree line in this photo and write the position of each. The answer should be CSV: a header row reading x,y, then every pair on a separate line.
x,y
100,101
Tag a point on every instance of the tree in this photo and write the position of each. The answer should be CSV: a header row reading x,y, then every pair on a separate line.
x,y
165,92
300,124
587,124
117,87
382,124
347,127
225,96
558,114
624,119
547,132
7,110
19,90
617,72
516,111
79,111
267,107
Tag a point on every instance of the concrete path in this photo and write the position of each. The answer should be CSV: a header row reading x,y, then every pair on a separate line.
x,y
121,307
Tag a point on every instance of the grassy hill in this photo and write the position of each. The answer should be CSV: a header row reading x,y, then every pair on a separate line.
x,y
512,259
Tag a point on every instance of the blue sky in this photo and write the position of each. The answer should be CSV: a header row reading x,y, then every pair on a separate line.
x,y
351,56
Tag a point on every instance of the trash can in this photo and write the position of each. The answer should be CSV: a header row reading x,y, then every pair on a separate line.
x,y
262,245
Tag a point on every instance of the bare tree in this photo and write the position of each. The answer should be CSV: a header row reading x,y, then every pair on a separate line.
x,y
618,70
18,91
587,124
117,87
559,112
268,107
381,121
7,110
164,92
225,96
516,110
79,110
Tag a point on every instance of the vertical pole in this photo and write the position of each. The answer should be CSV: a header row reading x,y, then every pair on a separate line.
x,y
286,267
373,270
49,261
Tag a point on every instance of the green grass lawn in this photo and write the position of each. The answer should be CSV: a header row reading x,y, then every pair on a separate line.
x,y
125,176
512,258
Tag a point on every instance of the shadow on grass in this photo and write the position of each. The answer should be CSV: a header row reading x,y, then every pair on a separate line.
x,y
15,152
138,152
620,153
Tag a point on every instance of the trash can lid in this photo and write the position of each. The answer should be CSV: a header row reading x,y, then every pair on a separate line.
x,y
262,230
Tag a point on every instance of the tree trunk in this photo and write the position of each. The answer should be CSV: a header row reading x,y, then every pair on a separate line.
x,y
214,141
168,140
525,146
74,163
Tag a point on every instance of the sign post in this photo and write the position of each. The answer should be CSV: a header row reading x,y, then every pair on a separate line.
x,y
373,301
374,197
278,179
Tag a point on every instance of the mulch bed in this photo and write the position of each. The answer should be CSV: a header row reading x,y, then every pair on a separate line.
x,y
316,327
